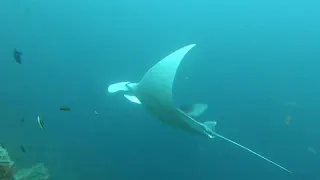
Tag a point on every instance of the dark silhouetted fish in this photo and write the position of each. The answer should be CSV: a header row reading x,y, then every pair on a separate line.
x,y
22,149
65,108
17,56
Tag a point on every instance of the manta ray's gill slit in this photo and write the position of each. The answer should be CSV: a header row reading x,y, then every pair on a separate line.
x,y
251,151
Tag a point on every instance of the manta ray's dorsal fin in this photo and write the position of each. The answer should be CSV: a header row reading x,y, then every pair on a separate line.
x,y
158,81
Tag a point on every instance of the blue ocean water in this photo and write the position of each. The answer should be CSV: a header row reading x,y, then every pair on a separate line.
x,y
256,65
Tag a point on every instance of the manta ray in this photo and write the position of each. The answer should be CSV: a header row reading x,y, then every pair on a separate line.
x,y
154,92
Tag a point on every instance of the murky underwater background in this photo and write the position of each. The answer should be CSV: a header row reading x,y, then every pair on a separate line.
x,y
256,65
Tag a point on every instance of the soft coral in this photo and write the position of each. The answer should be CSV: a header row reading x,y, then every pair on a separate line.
x,y
6,172
6,169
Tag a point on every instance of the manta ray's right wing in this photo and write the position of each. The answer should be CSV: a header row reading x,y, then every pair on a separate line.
x,y
194,110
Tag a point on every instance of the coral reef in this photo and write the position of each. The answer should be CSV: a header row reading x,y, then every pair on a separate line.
x,y
6,169
37,172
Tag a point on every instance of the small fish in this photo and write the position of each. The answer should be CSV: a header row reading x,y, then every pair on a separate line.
x,y
65,108
96,113
1,145
22,149
40,122
22,120
17,56
288,120
312,150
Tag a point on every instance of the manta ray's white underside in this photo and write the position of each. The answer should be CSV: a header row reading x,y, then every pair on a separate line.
x,y
154,91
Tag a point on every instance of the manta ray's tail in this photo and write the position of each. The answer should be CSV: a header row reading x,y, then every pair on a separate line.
x,y
239,145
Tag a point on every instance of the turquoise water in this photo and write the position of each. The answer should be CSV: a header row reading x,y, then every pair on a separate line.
x,y
256,65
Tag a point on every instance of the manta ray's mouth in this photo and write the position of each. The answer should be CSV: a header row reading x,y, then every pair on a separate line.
x,y
128,86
